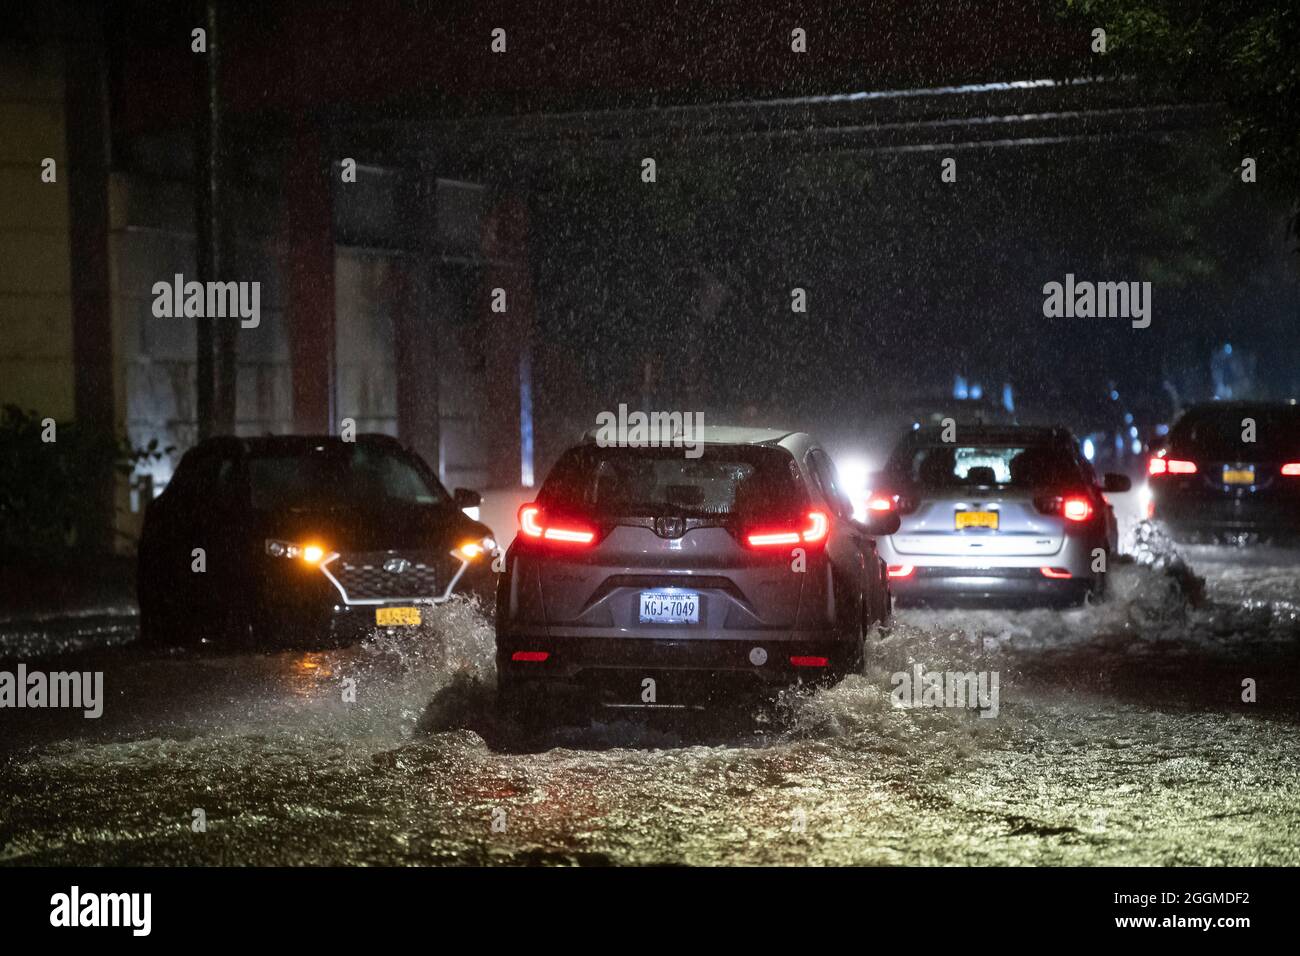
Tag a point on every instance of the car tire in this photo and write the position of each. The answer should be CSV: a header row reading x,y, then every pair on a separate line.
x,y
1097,591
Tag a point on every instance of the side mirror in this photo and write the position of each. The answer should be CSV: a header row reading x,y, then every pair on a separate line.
x,y
464,498
881,524
1116,482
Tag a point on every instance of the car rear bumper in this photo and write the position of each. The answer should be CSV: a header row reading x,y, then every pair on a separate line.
x,y
1182,514
926,585
695,670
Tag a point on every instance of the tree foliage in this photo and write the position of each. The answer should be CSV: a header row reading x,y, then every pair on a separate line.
x,y
1243,54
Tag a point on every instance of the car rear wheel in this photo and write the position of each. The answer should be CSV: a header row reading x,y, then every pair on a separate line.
x,y
1097,591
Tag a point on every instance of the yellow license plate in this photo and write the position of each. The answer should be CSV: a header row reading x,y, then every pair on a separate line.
x,y
1239,476
977,519
397,616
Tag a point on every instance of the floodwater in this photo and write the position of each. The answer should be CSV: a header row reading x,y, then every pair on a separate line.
x,y
1121,737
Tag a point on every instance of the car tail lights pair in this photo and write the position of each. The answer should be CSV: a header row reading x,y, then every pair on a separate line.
x,y
534,523
1178,466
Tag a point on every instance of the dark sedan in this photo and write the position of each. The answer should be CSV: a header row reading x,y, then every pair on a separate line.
x,y
1229,469
292,538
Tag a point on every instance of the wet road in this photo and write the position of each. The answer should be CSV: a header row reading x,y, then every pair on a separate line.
x,y
1121,737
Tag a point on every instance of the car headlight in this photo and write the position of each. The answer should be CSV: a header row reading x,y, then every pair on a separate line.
x,y
474,549
311,553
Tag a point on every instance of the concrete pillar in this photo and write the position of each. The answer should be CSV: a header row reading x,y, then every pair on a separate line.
x,y
309,273
507,339
416,341
86,106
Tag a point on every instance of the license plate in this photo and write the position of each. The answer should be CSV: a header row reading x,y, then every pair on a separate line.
x,y
977,519
670,607
1239,476
397,616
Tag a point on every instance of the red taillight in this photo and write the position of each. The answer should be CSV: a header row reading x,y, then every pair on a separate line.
x,y
533,524
881,503
1058,573
818,527
799,660
530,657
1076,509
901,570
1170,466
530,520
1291,469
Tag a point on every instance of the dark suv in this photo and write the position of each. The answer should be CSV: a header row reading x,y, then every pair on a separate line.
x,y
295,537
1229,468
644,576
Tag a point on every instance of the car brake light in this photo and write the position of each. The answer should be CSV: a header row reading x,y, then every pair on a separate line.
x,y
1069,507
801,660
529,522
818,527
901,570
881,503
1291,469
1076,509
533,524
1170,466
1058,573
530,657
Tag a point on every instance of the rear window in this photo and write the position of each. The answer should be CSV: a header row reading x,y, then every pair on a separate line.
x,y
724,482
1009,466
1217,433
333,477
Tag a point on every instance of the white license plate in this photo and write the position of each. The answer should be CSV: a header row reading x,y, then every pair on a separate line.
x,y
670,607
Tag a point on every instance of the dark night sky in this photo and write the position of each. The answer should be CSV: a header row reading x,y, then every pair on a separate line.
x,y
912,280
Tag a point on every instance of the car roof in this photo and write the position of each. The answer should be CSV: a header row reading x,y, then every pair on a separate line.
x,y
995,434
287,444
1237,405
727,435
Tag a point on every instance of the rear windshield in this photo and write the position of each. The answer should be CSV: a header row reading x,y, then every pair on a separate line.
x,y
726,481
1218,433
1009,466
333,476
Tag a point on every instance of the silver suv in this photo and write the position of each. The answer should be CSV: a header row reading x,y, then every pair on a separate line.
x,y
645,577
998,512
